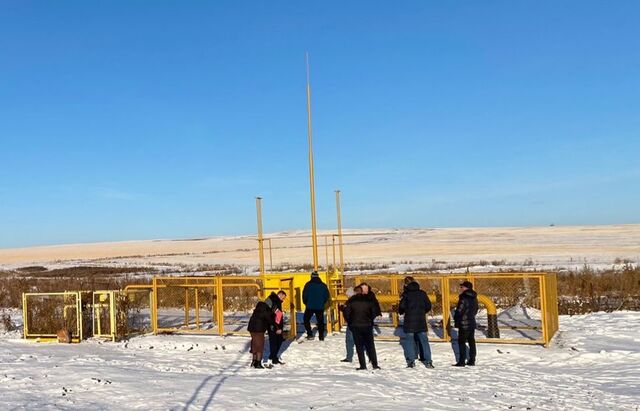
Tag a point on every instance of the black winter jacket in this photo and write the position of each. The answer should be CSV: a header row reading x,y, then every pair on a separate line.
x,y
372,297
360,311
465,315
261,319
415,304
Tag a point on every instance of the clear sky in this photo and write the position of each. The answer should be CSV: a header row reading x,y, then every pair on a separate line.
x,y
164,119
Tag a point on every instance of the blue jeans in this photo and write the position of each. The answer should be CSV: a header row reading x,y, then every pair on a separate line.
x,y
350,344
410,347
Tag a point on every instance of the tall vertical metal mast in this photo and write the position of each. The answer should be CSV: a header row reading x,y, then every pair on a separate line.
x,y
314,235
340,231
260,238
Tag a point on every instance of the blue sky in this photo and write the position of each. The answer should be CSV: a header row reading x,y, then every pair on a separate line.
x,y
139,119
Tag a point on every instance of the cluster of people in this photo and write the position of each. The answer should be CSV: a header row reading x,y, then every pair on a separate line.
x,y
360,311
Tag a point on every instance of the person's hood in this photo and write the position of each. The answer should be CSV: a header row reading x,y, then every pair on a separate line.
x,y
315,280
412,286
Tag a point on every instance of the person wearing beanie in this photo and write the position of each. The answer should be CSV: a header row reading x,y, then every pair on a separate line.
x,y
464,319
315,296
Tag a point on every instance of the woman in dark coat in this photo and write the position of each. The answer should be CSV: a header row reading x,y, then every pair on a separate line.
x,y
262,319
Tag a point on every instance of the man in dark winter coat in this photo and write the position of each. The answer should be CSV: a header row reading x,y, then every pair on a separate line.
x,y
407,280
415,305
274,301
315,296
359,313
465,321
368,292
262,319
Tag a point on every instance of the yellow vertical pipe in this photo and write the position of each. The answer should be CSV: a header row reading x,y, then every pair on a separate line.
x,y
25,328
326,253
79,315
220,305
154,308
543,309
270,256
333,243
197,306
187,307
446,308
114,325
314,236
340,244
260,238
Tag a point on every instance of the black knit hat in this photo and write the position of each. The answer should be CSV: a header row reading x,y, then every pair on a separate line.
x,y
467,284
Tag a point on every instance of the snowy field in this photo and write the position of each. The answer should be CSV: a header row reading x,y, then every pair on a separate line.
x,y
594,364
439,249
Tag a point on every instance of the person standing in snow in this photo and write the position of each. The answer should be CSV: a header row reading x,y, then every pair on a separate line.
x,y
415,305
262,319
465,321
274,301
315,296
419,348
366,291
348,340
359,313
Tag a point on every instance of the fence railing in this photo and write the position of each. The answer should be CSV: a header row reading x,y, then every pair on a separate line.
x,y
514,307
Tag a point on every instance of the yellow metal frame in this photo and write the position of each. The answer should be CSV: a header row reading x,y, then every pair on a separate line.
x,y
96,317
547,292
53,337
217,285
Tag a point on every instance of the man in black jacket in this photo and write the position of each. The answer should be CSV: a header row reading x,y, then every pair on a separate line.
x,y
274,301
359,313
465,321
415,305
315,296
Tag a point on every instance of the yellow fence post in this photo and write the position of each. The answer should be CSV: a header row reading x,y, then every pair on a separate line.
x,y
220,305
154,305
446,307
25,317
543,309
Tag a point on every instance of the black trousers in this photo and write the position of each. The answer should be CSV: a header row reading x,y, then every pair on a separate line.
x,y
308,313
363,337
275,342
464,337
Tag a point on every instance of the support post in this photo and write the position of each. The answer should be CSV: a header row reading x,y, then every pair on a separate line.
x,y
260,239
314,235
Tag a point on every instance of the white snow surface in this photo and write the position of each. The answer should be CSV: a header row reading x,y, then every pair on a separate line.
x,y
593,363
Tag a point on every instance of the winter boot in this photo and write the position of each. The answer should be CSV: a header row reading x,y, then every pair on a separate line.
x,y
411,364
257,364
346,360
428,364
458,364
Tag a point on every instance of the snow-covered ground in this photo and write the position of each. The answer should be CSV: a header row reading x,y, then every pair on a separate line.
x,y
395,250
593,363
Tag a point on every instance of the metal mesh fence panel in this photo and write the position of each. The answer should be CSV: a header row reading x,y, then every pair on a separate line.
x,y
45,314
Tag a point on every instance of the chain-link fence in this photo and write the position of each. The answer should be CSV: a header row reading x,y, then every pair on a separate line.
x,y
514,307
220,305
47,315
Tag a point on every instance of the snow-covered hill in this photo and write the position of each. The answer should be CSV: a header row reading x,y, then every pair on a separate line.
x,y
594,363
